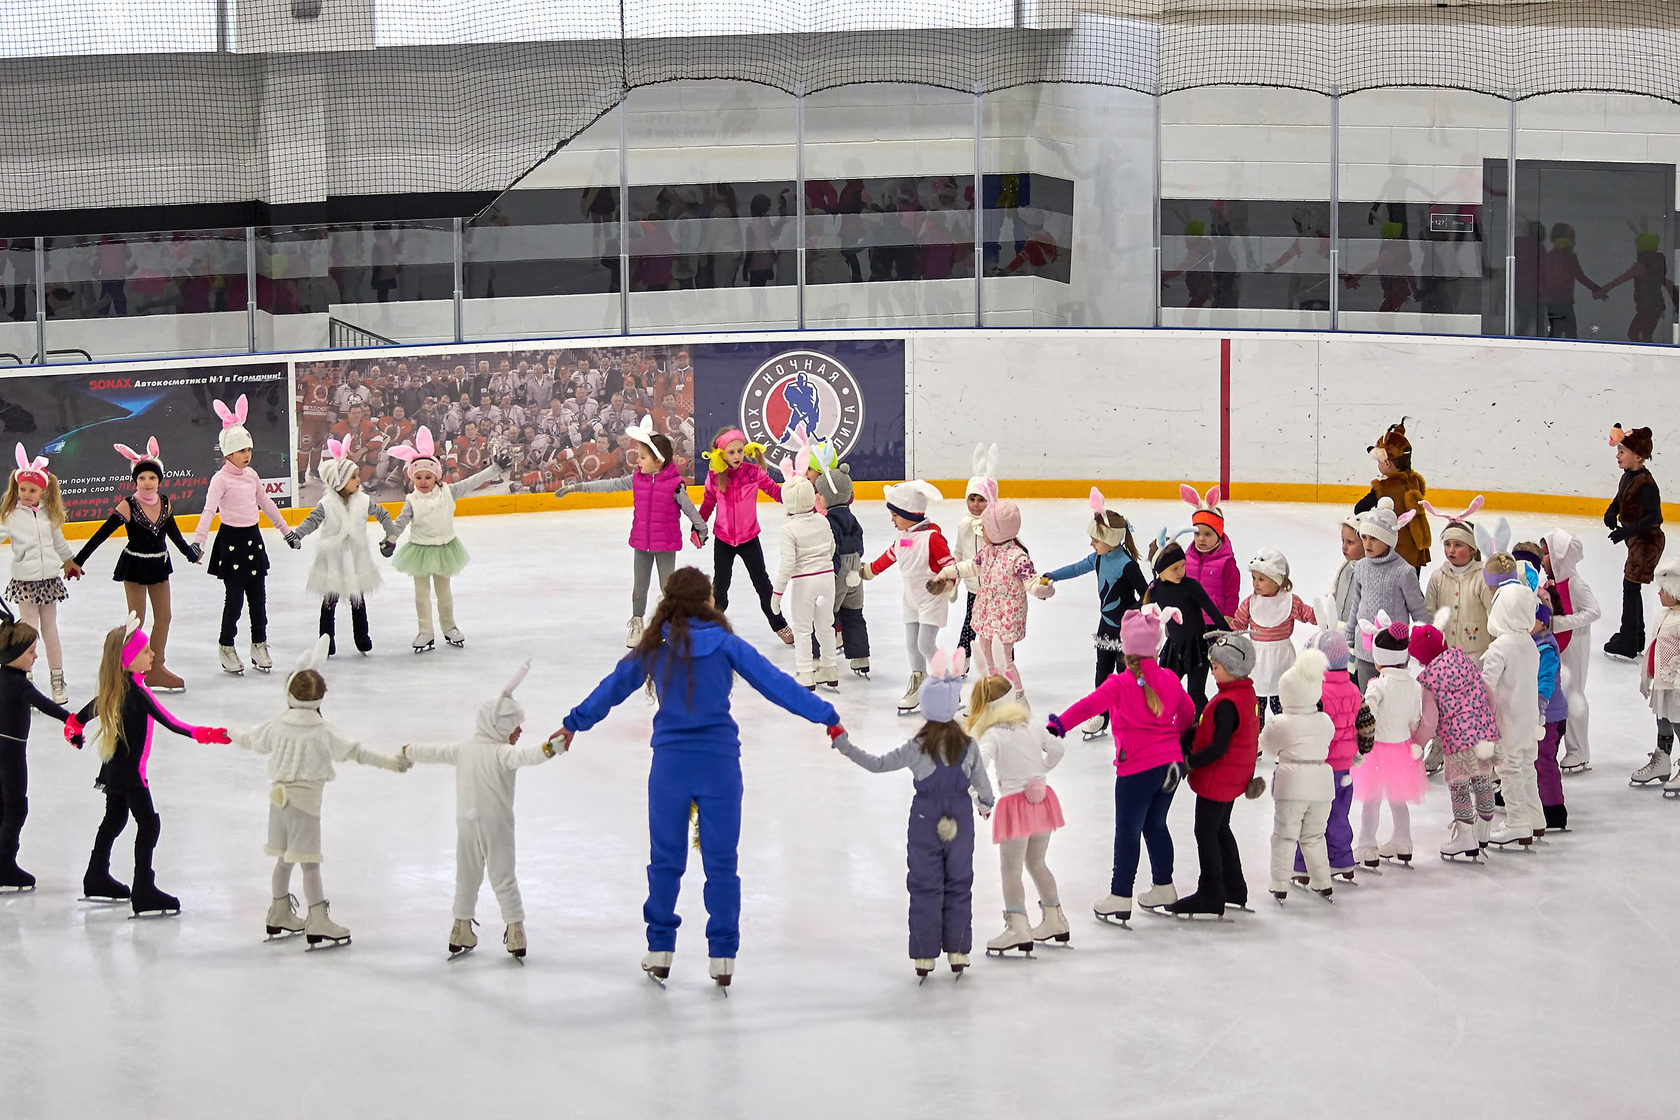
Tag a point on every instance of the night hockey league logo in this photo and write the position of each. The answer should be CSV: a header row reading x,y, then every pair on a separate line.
x,y
803,389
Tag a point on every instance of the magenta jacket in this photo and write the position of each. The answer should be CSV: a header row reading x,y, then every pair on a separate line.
x,y
1217,572
1142,739
1341,699
734,493
656,520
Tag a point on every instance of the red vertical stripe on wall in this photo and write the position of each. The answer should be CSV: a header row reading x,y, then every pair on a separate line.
x,y
1225,417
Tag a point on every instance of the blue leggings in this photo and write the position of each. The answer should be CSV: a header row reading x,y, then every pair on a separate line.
x,y
1140,811
713,782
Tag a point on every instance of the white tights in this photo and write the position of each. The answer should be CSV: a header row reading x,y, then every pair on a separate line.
x,y
44,617
312,890
1028,851
1370,815
996,658
922,641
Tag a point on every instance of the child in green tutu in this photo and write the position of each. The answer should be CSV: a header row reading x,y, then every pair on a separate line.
x,y
433,554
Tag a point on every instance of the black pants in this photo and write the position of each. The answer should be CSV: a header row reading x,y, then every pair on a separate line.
x,y
723,570
854,633
1216,849
966,638
120,804
1274,704
358,623
1195,683
14,798
1633,614
236,595
1109,661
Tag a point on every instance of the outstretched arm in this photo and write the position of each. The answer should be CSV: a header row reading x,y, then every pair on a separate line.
x,y
446,754
776,686
878,763
103,533
626,677
473,482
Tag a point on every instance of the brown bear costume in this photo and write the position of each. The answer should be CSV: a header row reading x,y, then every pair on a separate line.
x,y
1405,488
1635,519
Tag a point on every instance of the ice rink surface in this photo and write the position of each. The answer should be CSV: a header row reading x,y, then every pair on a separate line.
x,y
1539,984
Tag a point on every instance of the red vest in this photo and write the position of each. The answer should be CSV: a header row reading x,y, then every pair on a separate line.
x,y
1562,605
1226,779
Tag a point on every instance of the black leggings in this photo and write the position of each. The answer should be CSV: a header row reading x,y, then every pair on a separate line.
x,y
120,804
1195,683
14,797
723,570
1109,661
236,595
1216,850
358,622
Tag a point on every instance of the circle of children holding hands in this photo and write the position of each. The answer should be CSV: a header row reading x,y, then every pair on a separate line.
x,y
1500,634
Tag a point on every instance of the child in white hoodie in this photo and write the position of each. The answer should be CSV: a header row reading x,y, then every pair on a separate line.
x,y
485,767
1021,754
1511,671
1303,785
807,563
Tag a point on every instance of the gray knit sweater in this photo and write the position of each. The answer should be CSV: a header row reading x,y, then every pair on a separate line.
x,y
1384,583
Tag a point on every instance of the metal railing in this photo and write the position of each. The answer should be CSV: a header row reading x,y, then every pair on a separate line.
x,y
342,335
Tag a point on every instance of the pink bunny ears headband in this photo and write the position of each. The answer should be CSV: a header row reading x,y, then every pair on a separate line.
x,y
805,453
234,416
340,449
31,470
1206,506
422,456
1452,518
1397,632
1099,529
151,460
234,437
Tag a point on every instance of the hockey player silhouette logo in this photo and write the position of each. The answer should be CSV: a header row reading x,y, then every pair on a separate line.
x,y
802,389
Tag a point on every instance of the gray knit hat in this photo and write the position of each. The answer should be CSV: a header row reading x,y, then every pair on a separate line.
x,y
1233,651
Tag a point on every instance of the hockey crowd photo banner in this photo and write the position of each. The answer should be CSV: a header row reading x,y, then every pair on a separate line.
x,y
849,393
74,417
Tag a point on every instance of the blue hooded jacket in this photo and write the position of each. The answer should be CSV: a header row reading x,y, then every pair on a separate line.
x,y
700,721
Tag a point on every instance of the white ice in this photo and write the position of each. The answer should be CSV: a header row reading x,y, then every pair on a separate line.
x,y
1540,984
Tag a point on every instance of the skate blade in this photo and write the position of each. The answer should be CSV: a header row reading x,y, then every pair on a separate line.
x,y
921,978
1091,737
1062,939
30,889
424,649
657,975
97,900
1371,869
153,914
1400,861
234,672
1641,783
1194,917
1241,909
281,934
456,952
263,668
1462,857
1576,769
1025,950
1115,920
1304,888
318,943
458,645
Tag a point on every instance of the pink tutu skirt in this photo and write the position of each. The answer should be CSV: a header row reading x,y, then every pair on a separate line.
x,y
1390,773
1016,818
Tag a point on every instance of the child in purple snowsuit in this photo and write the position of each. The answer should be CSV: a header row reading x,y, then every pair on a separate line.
x,y
946,764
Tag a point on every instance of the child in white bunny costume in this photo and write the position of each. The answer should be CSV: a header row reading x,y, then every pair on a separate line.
x,y
238,558
433,554
805,576
485,768
143,566
659,496
343,567
301,747
32,519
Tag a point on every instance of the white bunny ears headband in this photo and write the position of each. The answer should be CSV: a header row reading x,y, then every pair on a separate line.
x,y
422,456
806,452
31,470
643,434
1099,529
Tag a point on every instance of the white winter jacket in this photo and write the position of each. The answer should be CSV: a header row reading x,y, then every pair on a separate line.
x,y
484,773
1396,702
807,550
1018,749
1511,668
302,746
1301,743
966,544
39,549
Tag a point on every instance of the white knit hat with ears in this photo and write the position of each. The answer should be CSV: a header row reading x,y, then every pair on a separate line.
x,y
314,658
1270,563
1668,578
498,717
1382,525
337,468
985,468
912,497
234,435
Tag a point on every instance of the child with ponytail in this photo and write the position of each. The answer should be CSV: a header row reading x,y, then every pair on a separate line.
x,y
736,478
143,567
946,764
128,713
32,517
658,496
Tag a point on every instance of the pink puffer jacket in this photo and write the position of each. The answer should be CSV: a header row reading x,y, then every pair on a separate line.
x,y
656,520
1143,740
734,494
1217,572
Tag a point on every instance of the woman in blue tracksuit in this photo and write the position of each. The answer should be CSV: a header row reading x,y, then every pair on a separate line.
x,y
688,656
1120,588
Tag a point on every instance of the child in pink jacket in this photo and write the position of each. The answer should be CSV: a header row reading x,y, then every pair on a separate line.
x,y
1148,712
732,488
238,558
1210,560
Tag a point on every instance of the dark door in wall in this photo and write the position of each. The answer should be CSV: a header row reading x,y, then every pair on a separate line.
x,y
1581,227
